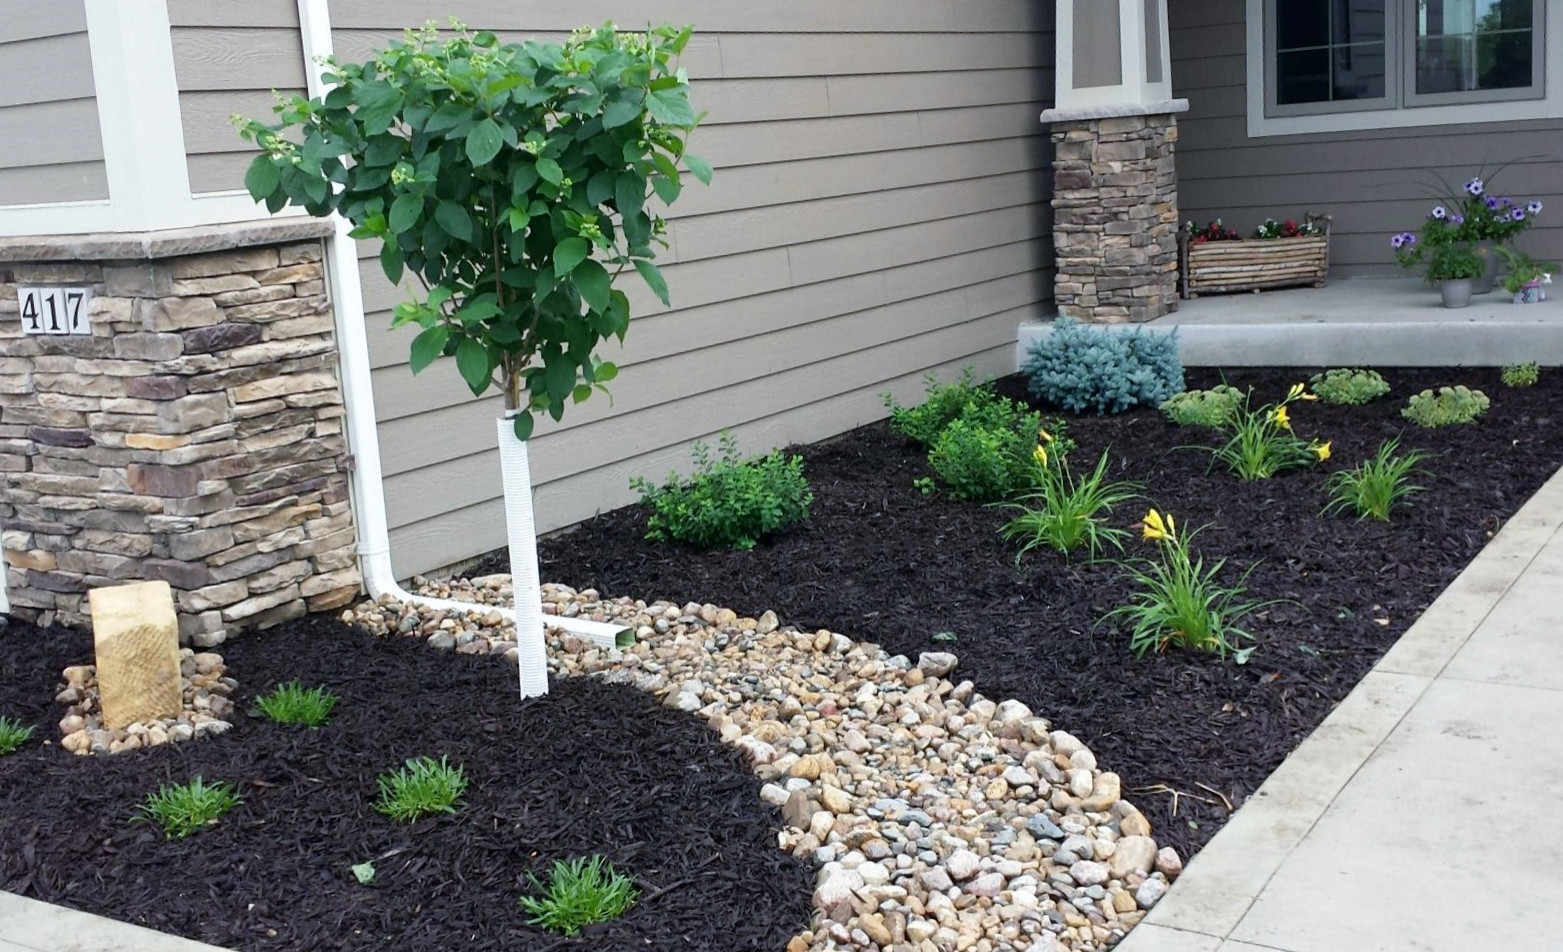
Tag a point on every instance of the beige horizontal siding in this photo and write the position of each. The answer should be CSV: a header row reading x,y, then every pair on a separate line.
x,y
1374,183
51,149
230,58
879,210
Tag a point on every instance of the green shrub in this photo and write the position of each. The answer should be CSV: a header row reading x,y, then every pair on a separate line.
x,y
291,703
1178,602
1521,375
420,787
1373,488
1260,443
1067,513
1450,406
728,502
1212,408
182,809
1348,387
943,404
578,893
1081,368
986,453
13,734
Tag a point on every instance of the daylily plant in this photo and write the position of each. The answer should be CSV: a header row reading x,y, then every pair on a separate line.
x,y
1261,442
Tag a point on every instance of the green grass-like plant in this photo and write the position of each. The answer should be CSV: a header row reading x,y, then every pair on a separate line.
x,y
1066,512
729,502
579,892
292,703
1212,408
421,787
943,403
13,734
182,809
1521,375
1261,443
1373,488
1180,602
1346,386
1449,406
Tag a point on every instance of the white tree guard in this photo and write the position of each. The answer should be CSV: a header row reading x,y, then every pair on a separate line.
x,y
521,529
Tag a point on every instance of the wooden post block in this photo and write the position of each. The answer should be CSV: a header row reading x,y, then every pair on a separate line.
x,y
135,635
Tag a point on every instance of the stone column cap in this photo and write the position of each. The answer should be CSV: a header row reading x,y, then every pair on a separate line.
x,y
167,243
1116,110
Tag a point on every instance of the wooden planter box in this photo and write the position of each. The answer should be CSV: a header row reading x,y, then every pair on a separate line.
x,y
1253,264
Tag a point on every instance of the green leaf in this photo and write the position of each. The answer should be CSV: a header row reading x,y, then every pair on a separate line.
x,y
654,279
569,254
472,362
605,371
619,112
405,212
592,280
549,171
484,142
581,392
391,262
699,167
453,220
427,346
667,189
262,178
518,218
561,379
671,106
524,424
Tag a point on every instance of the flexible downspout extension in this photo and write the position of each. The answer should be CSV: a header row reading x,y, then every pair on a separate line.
x,y
363,438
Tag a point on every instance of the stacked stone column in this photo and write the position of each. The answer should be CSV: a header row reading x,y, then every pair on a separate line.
x,y
1115,218
195,437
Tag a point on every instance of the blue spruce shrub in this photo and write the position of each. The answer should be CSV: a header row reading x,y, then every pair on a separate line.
x,y
1080,368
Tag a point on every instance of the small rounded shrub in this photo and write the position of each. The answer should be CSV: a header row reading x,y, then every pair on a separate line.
x,y
1521,375
1450,406
729,502
1212,408
1345,386
1080,368
944,403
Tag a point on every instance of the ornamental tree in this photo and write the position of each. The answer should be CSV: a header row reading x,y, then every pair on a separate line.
x,y
513,182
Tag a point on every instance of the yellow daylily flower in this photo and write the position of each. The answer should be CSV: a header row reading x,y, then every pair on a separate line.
x,y
1322,450
1295,392
1281,418
1044,435
1040,455
1154,526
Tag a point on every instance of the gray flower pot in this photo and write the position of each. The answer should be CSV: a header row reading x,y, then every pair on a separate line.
x,y
1456,293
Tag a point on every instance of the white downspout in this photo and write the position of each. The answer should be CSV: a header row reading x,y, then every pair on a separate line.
x,y
362,430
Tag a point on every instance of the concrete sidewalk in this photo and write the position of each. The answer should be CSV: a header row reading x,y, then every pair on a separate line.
x,y
1424,814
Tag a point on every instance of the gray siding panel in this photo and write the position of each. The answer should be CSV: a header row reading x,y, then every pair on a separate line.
x,y
879,210
228,58
1375,183
51,149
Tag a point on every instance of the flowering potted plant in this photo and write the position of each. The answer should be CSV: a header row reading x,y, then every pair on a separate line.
x,y
1215,258
1524,276
1452,266
1476,217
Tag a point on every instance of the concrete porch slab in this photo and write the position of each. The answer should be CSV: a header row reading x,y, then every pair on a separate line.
x,y
1392,322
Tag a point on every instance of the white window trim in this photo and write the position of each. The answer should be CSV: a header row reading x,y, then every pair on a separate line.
x,y
1550,106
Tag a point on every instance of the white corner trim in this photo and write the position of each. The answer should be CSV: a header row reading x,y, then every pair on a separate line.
x,y
1260,125
1115,110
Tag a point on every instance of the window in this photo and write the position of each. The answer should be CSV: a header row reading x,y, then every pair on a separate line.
x,y
1335,56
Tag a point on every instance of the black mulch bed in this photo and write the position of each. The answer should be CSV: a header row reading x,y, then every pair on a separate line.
x,y
881,562
592,768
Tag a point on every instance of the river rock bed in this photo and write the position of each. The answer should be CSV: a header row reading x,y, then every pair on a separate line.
x,y
203,685
938,819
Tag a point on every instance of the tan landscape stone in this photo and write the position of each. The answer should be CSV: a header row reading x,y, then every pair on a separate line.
x,y
136,639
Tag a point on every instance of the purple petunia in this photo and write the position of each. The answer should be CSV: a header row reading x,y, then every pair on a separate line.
x,y
1440,212
1475,186
1517,214
1402,240
1506,202
1534,207
1457,220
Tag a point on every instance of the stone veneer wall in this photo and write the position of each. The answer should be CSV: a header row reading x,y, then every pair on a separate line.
x,y
195,437
1115,218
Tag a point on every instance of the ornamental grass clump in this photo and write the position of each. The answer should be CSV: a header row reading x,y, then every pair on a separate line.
x,y
1179,602
1449,406
944,403
1521,375
1212,408
421,787
729,502
1261,443
1373,488
13,734
1345,386
292,703
182,809
1067,512
579,893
